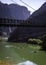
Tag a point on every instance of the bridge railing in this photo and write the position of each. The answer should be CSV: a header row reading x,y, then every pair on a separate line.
x,y
14,22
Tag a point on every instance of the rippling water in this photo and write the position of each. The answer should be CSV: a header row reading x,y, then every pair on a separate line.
x,y
18,54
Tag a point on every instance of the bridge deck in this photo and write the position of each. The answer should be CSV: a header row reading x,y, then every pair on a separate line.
x,y
14,22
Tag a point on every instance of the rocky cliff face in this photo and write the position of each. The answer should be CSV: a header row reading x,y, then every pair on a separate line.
x,y
13,11
39,16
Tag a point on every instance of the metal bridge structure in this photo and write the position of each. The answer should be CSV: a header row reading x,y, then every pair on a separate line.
x,y
12,22
15,22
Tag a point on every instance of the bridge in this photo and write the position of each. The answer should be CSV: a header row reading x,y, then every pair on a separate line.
x,y
15,22
12,22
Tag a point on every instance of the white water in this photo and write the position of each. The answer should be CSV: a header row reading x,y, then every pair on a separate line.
x,y
26,63
9,46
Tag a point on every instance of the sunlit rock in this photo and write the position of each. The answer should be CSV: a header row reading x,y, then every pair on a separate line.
x,y
27,63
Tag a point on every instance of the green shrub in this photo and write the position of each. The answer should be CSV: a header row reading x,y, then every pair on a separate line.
x,y
34,41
